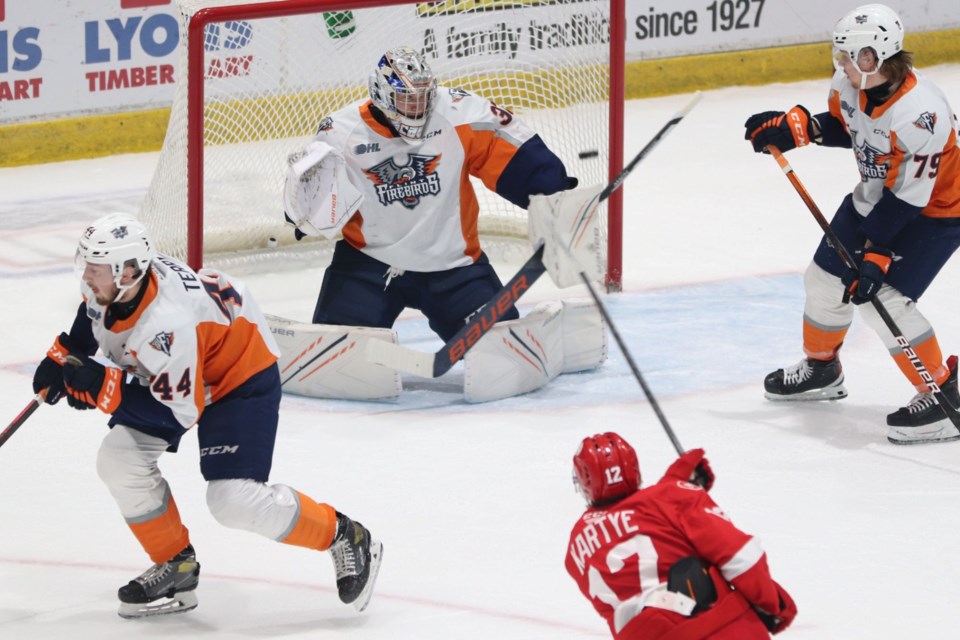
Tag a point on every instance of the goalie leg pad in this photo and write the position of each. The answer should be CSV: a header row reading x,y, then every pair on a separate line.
x,y
519,356
516,356
584,336
327,361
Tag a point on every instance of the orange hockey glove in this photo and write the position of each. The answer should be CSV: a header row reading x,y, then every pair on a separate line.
x,y
49,374
863,285
90,385
785,131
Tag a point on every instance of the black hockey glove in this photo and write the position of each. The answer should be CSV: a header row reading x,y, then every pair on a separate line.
x,y
785,131
90,385
863,285
49,374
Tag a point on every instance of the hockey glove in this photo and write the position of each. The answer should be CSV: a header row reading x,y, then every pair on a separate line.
x,y
49,374
863,285
90,385
775,623
693,467
785,131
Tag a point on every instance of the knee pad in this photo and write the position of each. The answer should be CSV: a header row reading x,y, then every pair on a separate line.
x,y
253,506
127,464
824,306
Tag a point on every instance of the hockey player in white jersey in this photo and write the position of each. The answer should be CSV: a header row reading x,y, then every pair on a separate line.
x,y
186,349
390,174
902,220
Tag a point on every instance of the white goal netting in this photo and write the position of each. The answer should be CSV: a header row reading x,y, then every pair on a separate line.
x,y
269,81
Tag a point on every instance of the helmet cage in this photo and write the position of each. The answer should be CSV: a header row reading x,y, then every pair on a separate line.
x,y
605,469
404,88
117,240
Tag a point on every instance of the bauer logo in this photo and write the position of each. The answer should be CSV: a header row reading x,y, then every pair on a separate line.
x,y
407,183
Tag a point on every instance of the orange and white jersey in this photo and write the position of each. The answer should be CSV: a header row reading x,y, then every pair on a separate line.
x,y
420,210
193,338
908,145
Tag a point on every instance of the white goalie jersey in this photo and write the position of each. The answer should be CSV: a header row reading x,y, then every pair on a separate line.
x,y
419,211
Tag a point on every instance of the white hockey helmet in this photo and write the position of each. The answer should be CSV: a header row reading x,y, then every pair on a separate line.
x,y
119,240
404,89
871,26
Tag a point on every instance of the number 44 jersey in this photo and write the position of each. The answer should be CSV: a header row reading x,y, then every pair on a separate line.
x,y
620,556
192,338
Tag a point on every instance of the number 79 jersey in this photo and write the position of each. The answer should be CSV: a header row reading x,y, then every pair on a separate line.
x,y
620,555
193,338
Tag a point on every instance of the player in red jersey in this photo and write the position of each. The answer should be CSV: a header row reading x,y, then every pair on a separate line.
x,y
664,562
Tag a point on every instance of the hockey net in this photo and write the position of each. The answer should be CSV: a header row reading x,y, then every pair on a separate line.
x,y
256,78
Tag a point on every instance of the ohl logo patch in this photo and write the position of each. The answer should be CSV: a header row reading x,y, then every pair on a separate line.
x,y
408,183
871,162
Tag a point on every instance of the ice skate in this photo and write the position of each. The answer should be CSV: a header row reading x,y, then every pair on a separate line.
x,y
356,559
923,420
807,380
162,589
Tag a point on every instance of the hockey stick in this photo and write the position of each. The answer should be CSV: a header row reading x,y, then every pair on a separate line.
x,y
22,416
633,366
433,365
848,260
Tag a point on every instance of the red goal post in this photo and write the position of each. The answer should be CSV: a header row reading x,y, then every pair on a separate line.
x,y
259,77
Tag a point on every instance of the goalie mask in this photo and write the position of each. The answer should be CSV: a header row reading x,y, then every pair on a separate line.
x,y
873,26
605,469
118,240
404,89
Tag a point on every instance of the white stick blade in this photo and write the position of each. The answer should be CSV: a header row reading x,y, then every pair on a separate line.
x,y
400,358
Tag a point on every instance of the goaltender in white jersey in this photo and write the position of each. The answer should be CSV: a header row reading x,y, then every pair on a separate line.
x,y
391,174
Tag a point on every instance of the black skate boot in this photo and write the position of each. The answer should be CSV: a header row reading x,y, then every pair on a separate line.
x,y
172,582
923,420
356,559
807,380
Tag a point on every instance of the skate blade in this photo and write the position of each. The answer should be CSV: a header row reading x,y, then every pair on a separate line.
x,y
180,603
376,554
838,392
940,431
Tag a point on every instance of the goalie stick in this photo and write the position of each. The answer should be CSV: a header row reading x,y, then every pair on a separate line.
x,y
848,260
434,365
22,416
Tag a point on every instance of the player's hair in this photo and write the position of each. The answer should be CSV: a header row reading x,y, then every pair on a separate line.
x,y
896,67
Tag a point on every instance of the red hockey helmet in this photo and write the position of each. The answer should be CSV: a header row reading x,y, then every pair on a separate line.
x,y
605,469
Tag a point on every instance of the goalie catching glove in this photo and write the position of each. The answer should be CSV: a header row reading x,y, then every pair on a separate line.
x,y
568,224
318,198
90,385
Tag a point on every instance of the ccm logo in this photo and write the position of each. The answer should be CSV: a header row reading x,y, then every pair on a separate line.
x,y
219,450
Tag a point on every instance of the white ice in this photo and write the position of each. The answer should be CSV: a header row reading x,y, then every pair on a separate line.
x,y
474,502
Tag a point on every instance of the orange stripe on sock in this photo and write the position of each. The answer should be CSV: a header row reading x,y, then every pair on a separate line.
x,y
932,358
164,536
821,345
315,527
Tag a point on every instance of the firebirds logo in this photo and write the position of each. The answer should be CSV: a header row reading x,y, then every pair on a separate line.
x,y
408,183
162,342
871,162
926,121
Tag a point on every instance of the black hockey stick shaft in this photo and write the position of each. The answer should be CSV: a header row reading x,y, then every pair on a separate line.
x,y
482,321
652,399
22,416
848,260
